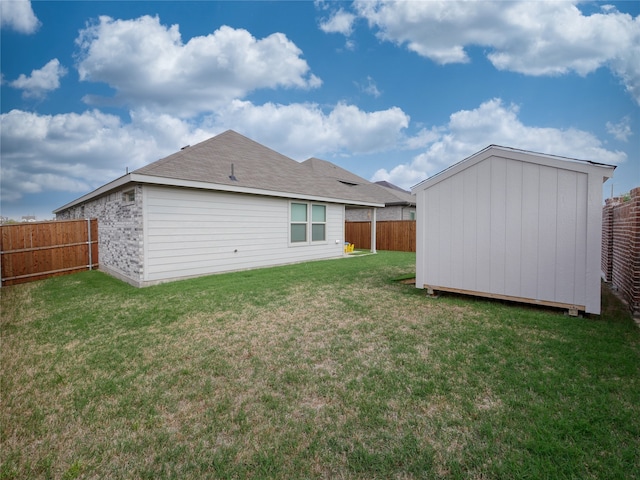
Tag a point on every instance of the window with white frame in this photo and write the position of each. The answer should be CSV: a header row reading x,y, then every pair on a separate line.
x,y
308,223
299,223
318,223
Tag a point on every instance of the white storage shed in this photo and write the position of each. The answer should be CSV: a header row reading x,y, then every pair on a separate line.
x,y
515,225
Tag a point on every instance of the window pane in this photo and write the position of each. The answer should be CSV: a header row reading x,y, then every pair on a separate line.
x,y
318,213
317,232
298,212
298,232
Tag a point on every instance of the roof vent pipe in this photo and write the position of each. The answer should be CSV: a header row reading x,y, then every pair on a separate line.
x,y
232,176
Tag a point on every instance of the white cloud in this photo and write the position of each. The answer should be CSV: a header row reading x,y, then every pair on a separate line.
x,y
148,64
18,15
79,152
339,22
41,81
621,130
627,66
370,88
469,131
304,130
533,38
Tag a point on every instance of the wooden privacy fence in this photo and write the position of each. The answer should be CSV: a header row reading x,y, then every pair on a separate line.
x,y
398,235
34,251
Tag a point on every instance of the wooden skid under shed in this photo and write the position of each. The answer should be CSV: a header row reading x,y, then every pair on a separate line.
x,y
572,309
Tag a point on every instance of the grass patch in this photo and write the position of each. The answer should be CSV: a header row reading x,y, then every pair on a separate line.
x,y
327,369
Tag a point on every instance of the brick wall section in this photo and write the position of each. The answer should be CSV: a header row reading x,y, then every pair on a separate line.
x,y
606,259
621,247
394,212
120,230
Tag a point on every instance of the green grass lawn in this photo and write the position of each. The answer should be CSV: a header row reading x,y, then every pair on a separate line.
x,y
319,370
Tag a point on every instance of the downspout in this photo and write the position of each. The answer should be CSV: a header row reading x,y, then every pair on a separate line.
x,y
90,244
373,230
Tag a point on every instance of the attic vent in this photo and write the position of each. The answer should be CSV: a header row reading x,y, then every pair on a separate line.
x,y
186,146
350,184
232,176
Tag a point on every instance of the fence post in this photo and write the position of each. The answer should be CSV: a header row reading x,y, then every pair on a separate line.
x,y
89,244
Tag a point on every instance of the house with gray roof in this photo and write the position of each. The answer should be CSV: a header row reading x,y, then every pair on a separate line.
x,y
225,204
398,203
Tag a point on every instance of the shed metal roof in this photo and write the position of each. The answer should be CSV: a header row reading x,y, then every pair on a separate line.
x,y
521,155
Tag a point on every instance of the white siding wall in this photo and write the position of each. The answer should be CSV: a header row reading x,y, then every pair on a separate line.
x,y
192,232
509,228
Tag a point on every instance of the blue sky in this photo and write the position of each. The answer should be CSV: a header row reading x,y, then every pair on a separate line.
x,y
392,91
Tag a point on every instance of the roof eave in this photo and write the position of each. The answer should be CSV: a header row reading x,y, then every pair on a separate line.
x,y
117,183
516,154
175,182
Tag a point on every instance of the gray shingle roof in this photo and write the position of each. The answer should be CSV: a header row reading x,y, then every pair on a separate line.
x,y
254,166
388,194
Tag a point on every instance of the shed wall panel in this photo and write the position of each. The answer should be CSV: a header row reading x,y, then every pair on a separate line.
x,y
580,271
421,232
513,229
443,252
470,215
457,230
483,237
566,241
498,225
547,232
529,246
432,227
507,227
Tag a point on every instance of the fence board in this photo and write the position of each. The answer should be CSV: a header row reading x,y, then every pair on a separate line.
x,y
34,251
398,235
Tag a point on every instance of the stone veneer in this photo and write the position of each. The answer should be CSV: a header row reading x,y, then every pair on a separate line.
x,y
119,217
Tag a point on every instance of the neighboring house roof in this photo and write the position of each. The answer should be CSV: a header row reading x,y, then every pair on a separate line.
x,y
384,183
396,195
384,192
234,163
517,154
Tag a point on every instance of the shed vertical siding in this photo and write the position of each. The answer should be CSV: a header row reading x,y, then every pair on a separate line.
x,y
513,232
481,257
457,231
529,251
192,232
593,227
510,228
547,233
470,228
